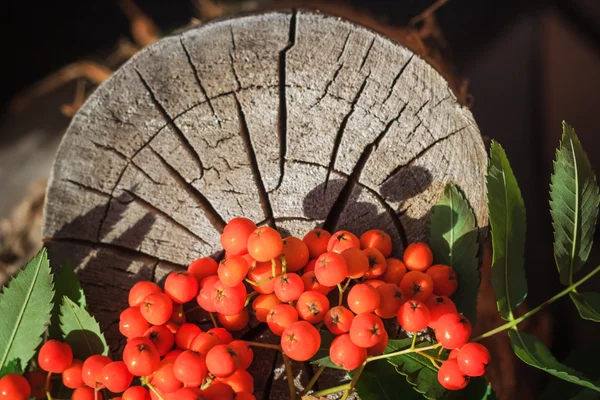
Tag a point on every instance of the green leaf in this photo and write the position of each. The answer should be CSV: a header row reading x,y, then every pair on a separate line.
x,y
81,330
585,360
11,367
477,388
380,381
66,284
507,219
574,200
533,352
588,305
25,306
453,241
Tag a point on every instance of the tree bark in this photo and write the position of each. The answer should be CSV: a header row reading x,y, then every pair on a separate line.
x,y
294,120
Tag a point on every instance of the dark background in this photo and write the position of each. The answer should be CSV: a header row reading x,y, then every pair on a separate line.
x,y
530,65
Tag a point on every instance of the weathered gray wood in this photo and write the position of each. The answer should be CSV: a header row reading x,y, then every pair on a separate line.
x,y
294,120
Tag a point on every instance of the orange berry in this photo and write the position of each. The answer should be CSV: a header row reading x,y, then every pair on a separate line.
x,y
232,270
203,267
377,263
444,279
418,257
357,261
262,272
280,317
391,299
341,240
295,252
235,322
264,244
312,283
262,305
234,238
417,285
300,341
316,241
363,299
378,239
394,271
331,269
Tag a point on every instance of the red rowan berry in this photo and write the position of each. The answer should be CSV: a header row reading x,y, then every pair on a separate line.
x,y
157,308
229,300
164,377
262,305
136,393
264,244
438,306
234,238
55,356
338,320
453,330
140,356
377,263
262,272
280,317
394,271
295,252
188,393
239,381
181,287
14,387
162,338
453,354
204,342
186,334
71,377
416,285
316,241
418,257
413,316
380,347
288,287
375,283
132,323
331,269
37,382
312,306
366,330
310,266
218,391
378,239
244,352
444,279
86,393
357,261
363,299
232,270
203,267
473,359
344,353
451,377
140,291
222,334
91,368
115,376
190,368
311,283
391,299
205,297
222,361
341,240
235,322
300,341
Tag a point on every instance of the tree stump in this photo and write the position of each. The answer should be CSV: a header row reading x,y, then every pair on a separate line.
x,y
294,120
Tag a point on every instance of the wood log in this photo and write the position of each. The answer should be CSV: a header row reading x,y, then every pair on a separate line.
x,y
295,120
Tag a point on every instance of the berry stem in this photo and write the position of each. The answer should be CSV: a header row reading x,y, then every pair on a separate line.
x,y
290,377
265,345
515,322
341,296
400,352
331,390
434,360
312,382
414,341
212,318
359,371
250,297
347,284
146,382
260,282
96,390
283,263
273,268
207,382
48,394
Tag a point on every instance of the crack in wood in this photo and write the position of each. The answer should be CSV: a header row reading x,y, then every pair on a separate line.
x,y
340,203
184,140
260,185
421,153
198,80
327,86
211,213
107,208
86,187
395,80
283,112
366,56
340,133
345,46
421,108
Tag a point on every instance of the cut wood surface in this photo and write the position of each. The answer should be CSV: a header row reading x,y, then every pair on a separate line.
x,y
295,120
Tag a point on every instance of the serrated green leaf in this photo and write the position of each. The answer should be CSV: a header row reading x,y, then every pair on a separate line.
x,y
11,367
574,200
81,330
66,284
584,360
25,306
588,304
380,381
533,352
453,241
507,220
